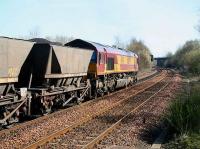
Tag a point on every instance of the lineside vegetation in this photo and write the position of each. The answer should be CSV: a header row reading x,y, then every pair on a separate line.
x,y
183,119
187,58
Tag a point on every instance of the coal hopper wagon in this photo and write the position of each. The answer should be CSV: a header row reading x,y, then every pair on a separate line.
x,y
13,54
36,77
57,76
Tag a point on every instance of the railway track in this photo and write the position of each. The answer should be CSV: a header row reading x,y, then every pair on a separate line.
x,y
90,133
143,126
16,126
115,98
124,106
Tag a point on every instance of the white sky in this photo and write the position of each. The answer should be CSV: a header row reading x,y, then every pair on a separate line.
x,y
163,25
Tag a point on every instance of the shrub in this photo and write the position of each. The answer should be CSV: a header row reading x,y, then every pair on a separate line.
x,y
184,114
187,57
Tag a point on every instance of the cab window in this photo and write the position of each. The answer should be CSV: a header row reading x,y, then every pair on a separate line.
x,y
110,64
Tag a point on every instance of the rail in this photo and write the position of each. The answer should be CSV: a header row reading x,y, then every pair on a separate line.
x,y
110,129
67,129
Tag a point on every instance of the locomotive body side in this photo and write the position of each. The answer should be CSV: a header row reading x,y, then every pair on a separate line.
x,y
109,63
116,68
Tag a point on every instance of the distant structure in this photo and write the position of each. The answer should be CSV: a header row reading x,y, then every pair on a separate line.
x,y
160,61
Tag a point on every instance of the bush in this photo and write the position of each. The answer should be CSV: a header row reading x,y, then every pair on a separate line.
x,y
184,114
192,59
184,142
187,57
192,141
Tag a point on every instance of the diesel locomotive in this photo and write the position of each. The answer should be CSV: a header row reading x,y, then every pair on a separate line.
x,y
36,77
109,68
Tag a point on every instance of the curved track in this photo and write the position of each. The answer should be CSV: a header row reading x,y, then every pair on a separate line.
x,y
86,126
48,125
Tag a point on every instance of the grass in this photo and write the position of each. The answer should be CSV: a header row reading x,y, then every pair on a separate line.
x,y
183,119
185,142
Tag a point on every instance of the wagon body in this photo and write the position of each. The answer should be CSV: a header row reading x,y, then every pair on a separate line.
x,y
72,61
13,53
48,62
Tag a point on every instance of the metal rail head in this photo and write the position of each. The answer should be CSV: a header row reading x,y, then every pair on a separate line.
x,y
111,128
50,137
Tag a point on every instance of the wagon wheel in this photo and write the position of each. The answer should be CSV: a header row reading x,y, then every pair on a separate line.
x,y
112,88
46,107
101,93
78,101
95,95
14,118
44,111
136,79
7,122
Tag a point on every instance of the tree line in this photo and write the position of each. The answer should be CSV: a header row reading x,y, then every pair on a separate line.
x,y
187,57
138,47
143,52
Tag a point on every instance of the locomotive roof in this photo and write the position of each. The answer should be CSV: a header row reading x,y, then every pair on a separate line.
x,y
99,47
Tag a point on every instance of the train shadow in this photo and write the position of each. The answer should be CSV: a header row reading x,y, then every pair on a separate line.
x,y
146,131
151,133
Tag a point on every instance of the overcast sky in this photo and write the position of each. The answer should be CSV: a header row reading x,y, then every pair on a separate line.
x,y
163,25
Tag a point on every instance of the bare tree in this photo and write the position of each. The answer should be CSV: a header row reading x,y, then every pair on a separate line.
x,y
118,43
143,52
60,38
34,32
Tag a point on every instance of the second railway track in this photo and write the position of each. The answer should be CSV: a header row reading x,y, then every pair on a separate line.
x,y
29,137
90,133
122,106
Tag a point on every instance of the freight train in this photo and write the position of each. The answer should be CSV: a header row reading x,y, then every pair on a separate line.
x,y
36,77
